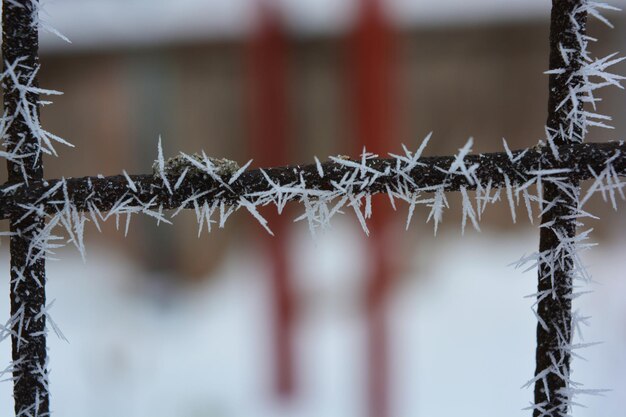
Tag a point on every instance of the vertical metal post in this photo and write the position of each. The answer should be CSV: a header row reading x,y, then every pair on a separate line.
x,y
28,297
554,330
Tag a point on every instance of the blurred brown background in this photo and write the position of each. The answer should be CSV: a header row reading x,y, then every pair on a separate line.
x,y
481,80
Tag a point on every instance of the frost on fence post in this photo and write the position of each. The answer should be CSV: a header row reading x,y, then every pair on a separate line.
x,y
22,138
570,90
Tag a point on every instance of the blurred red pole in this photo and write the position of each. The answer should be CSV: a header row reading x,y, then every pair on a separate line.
x,y
372,74
268,95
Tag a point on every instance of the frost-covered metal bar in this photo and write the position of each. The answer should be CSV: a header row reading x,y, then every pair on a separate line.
x,y
586,161
27,325
566,125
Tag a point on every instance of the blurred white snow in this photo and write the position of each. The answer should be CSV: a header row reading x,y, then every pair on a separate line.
x,y
462,333
114,23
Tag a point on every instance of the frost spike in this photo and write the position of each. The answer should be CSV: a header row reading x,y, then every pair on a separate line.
x,y
238,173
161,164
320,170
131,183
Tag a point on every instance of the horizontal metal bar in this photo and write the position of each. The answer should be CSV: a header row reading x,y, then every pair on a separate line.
x,y
517,167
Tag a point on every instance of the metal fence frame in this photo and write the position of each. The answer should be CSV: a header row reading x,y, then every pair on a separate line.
x,y
34,205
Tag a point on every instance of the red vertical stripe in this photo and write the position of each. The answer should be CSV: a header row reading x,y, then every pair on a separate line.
x,y
372,66
268,71
371,71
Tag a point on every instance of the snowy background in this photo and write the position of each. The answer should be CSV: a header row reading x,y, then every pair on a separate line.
x,y
462,333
